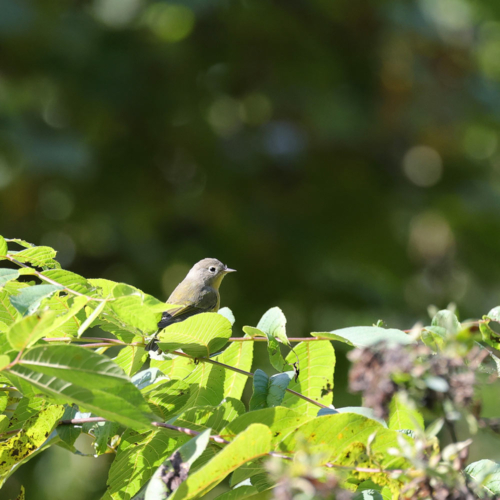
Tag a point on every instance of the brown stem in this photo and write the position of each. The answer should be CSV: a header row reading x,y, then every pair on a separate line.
x,y
249,374
221,440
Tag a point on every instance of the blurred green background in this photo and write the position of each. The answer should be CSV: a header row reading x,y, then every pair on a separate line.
x,y
342,155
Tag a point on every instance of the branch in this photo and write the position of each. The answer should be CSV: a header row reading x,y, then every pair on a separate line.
x,y
248,374
219,439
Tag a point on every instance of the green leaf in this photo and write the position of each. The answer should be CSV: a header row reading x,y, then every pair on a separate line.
x,y
365,336
228,314
21,243
8,313
199,335
133,311
206,385
317,364
38,256
69,280
29,330
238,355
252,443
447,320
281,421
434,337
69,433
168,398
240,493
273,324
131,358
29,299
3,248
269,391
138,455
7,275
359,410
22,446
489,336
404,415
486,473
175,469
174,367
273,348
73,374
215,417
91,318
344,437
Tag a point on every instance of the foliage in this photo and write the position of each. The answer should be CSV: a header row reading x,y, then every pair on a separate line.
x,y
175,421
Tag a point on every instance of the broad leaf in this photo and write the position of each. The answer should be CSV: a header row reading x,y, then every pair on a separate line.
x,y
29,299
8,313
68,279
252,443
404,415
168,398
29,330
343,438
447,320
138,455
7,275
281,421
359,410
486,473
240,493
269,391
317,364
38,256
131,358
365,336
175,469
273,348
23,445
273,324
206,385
239,355
199,335
174,367
73,374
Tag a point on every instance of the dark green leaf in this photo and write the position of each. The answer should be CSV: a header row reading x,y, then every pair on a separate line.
x,y
269,391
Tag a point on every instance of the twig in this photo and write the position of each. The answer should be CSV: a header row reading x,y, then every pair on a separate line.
x,y
219,439
248,374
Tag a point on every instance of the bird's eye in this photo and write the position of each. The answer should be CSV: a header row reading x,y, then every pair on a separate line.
x,y
212,269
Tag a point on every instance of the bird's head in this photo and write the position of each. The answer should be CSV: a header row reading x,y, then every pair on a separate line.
x,y
209,271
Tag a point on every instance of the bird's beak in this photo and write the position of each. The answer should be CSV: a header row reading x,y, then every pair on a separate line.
x,y
228,270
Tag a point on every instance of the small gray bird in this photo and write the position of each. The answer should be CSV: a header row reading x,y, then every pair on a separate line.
x,y
197,293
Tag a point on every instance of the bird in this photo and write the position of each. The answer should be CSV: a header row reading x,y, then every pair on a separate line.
x,y
197,293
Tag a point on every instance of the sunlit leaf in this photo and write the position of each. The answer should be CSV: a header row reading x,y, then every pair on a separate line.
x,y
38,256
3,247
404,415
248,445
365,336
72,374
138,455
199,335
174,470
486,473
317,364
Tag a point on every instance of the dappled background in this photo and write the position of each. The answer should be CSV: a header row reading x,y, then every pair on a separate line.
x,y
342,155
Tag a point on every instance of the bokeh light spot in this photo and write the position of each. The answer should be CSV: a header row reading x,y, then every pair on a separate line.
x,y
63,243
480,142
116,13
423,166
6,174
170,22
55,203
224,116
430,236
256,109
